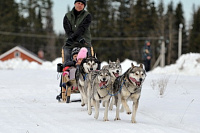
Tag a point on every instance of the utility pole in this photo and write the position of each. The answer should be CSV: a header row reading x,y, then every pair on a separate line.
x,y
180,40
162,63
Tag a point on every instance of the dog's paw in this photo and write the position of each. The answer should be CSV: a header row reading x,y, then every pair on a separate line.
x,y
116,119
133,121
89,112
96,117
105,119
111,108
128,113
83,104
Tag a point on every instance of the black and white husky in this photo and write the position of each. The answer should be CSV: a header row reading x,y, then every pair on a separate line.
x,y
87,65
99,87
128,87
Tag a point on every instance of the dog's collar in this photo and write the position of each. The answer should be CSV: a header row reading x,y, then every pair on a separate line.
x,y
104,87
101,96
107,88
134,91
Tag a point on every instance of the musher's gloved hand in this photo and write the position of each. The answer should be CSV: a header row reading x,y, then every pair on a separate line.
x,y
69,41
82,41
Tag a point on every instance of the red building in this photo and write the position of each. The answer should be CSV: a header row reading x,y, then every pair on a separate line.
x,y
20,52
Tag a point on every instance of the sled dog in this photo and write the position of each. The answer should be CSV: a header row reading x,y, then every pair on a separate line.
x,y
115,70
128,87
88,65
99,88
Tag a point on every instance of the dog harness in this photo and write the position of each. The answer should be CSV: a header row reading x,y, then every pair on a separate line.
x,y
103,87
84,76
118,90
100,96
135,90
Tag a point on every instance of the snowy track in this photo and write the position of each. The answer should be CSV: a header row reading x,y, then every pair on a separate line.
x,y
28,105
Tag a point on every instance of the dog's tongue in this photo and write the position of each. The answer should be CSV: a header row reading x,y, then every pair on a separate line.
x,y
134,80
102,83
116,74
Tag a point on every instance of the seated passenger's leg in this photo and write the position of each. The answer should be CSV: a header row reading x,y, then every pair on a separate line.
x,y
72,73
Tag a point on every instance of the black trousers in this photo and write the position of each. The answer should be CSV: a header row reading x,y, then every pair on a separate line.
x,y
147,64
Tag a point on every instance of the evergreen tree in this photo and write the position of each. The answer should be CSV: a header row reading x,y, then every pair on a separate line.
x,y
8,23
101,26
122,29
194,39
161,17
50,47
141,12
170,35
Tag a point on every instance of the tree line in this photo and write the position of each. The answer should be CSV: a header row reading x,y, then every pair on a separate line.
x,y
119,28
28,23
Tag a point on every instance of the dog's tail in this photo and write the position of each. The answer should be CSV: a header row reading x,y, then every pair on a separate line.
x,y
71,83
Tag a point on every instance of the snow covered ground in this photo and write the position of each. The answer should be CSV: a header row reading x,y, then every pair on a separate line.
x,y
28,104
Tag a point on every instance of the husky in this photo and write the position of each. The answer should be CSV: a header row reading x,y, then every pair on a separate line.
x,y
128,87
87,65
115,70
99,88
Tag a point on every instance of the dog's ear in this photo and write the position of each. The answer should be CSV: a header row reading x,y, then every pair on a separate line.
x,y
108,72
132,65
83,61
118,61
87,55
95,56
141,65
109,62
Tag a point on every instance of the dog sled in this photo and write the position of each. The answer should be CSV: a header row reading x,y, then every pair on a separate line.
x,y
65,92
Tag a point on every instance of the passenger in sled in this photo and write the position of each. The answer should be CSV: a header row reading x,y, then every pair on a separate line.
x,y
69,71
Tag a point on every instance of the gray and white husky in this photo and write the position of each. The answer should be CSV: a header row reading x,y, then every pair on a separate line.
x,y
128,87
87,65
116,70
99,87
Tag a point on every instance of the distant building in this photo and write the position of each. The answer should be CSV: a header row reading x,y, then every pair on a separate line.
x,y
20,52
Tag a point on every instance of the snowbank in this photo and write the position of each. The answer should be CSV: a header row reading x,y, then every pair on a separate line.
x,y
187,64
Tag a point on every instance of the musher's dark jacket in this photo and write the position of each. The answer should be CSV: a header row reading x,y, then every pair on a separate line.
x,y
77,25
